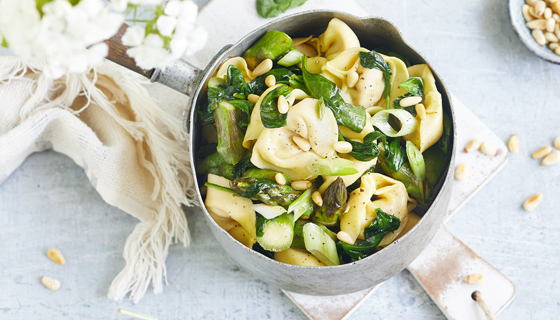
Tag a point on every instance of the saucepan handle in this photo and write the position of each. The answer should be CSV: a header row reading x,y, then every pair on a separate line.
x,y
180,75
441,269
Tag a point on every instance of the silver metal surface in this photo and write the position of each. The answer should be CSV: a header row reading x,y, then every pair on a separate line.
x,y
373,33
180,76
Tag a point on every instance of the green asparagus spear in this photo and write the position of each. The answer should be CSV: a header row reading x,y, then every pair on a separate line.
x,y
270,46
298,242
230,135
215,164
265,190
334,200
267,174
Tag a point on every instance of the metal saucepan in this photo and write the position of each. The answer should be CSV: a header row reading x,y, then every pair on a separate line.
x,y
334,280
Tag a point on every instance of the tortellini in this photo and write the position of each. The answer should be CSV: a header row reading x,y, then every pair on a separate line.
x,y
429,129
391,197
337,38
240,63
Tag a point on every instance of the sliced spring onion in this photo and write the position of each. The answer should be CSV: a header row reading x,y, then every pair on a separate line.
x,y
381,121
416,160
332,167
291,58
319,244
275,234
214,82
303,205
269,212
219,187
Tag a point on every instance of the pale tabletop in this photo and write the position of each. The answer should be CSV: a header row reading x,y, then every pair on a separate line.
x,y
474,49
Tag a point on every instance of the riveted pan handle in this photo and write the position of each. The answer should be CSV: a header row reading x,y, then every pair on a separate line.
x,y
180,75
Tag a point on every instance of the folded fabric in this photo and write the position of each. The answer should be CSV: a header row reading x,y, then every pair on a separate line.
x,y
133,151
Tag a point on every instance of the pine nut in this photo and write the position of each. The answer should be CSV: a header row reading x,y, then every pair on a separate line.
x,y
317,198
344,237
526,15
556,17
550,37
410,101
557,143
55,255
557,30
540,6
352,79
301,143
555,7
541,152
547,13
537,24
342,147
263,67
280,179
253,98
488,149
513,144
461,172
472,145
533,14
475,279
283,105
271,80
301,185
538,35
531,2
550,23
557,51
51,283
533,201
551,158
553,45
420,111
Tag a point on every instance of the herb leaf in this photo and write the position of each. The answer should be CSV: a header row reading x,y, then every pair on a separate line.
x,y
272,8
258,86
265,190
242,166
373,60
270,116
246,107
350,116
367,150
414,86
393,155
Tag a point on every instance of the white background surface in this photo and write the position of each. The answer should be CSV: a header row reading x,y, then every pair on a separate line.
x,y
48,201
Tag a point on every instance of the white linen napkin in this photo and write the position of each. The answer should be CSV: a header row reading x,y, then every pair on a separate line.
x,y
132,149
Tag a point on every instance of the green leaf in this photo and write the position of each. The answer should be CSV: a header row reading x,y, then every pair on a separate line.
x,y
393,155
443,142
414,86
350,116
4,43
397,104
321,104
258,86
265,190
219,187
270,116
367,150
272,8
243,165
332,167
247,108
373,60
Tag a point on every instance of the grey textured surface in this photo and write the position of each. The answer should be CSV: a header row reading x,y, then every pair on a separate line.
x,y
473,48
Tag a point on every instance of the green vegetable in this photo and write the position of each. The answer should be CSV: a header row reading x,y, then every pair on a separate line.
x,y
215,82
267,174
373,60
272,8
270,116
275,234
219,187
303,205
436,163
242,166
265,190
320,244
397,104
416,160
334,201
270,46
393,155
230,134
291,58
332,167
373,234
415,87
214,164
234,88
297,242
415,188
382,119
350,116
246,107
258,86
443,142
367,150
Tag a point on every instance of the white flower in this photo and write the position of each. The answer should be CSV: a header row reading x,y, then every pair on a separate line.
x,y
151,53
197,39
166,25
134,36
146,2
119,5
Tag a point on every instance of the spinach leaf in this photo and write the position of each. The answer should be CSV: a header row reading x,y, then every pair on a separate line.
x,y
243,165
373,60
205,116
393,155
350,116
234,88
443,142
258,86
272,8
265,190
397,104
246,107
367,150
373,234
414,86
270,116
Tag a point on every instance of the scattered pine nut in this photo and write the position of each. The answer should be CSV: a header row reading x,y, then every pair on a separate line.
x,y
550,23
317,198
253,98
352,79
553,46
551,158
540,6
263,67
301,185
461,172
420,111
557,143
55,255
539,37
537,24
280,179
488,149
476,278
541,152
344,237
283,105
513,144
550,37
533,201
526,15
557,51
472,145
301,143
342,147
271,80
51,283
410,101
531,2
547,13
